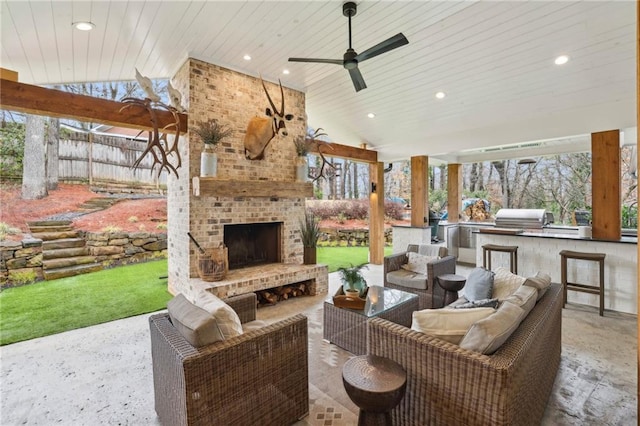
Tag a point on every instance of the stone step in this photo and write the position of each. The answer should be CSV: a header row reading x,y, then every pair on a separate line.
x,y
39,229
71,271
64,252
67,261
49,222
49,236
99,203
62,243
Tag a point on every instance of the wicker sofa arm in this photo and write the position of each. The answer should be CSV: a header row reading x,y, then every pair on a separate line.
x,y
446,265
245,306
259,377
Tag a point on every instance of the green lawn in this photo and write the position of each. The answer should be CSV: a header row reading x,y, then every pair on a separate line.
x,y
50,307
336,257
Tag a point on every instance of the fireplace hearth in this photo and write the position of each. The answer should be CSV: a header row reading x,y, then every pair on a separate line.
x,y
252,244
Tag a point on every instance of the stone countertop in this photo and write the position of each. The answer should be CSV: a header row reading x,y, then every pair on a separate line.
x,y
570,236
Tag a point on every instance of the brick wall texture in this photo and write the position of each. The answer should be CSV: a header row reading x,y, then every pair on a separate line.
x,y
232,98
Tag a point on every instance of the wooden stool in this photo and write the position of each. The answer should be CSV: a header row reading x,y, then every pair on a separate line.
x,y
513,256
585,288
376,385
451,284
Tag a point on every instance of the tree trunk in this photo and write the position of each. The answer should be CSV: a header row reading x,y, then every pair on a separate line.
x,y
33,166
53,142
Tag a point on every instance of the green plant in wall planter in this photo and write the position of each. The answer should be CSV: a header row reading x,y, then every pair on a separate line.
x,y
310,232
211,133
353,282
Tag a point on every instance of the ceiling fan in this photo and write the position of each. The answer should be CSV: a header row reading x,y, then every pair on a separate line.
x,y
351,58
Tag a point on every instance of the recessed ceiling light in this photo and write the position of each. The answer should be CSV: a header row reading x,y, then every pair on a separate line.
x,y
84,25
441,95
561,60
371,115
285,72
247,57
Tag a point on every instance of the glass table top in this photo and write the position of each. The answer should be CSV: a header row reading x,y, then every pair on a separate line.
x,y
380,299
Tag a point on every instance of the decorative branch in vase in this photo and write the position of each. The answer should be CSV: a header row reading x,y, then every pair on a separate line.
x,y
211,133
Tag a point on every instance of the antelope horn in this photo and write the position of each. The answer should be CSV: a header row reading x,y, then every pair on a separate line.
x,y
281,112
275,111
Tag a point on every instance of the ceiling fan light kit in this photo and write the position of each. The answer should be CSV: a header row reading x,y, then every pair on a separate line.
x,y
351,58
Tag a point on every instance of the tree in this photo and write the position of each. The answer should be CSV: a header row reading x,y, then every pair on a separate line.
x,y
33,173
52,141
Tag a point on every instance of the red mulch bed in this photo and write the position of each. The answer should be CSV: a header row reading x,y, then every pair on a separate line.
x,y
68,197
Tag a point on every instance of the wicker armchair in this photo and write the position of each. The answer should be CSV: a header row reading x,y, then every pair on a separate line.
x,y
431,295
259,377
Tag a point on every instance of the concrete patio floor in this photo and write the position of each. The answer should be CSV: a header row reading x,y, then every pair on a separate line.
x,y
102,374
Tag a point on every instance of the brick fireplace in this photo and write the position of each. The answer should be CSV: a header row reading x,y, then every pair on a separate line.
x,y
257,194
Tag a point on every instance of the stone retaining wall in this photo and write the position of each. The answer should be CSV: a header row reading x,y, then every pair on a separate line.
x,y
117,248
21,261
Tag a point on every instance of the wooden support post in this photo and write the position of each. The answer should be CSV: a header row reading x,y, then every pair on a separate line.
x,y
376,213
605,191
454,192
419,191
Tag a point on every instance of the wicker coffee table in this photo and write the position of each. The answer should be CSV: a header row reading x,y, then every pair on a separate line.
x,y
347,328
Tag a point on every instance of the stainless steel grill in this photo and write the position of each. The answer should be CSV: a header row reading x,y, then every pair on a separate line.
x,y
521,218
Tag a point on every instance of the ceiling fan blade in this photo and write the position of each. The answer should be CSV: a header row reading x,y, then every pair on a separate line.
x,y
358,81
380,48
321,61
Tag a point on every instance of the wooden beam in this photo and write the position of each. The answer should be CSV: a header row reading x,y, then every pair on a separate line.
x,y
38,100
6,74
376,214
349,152
419,191
605,185
454,192
214,187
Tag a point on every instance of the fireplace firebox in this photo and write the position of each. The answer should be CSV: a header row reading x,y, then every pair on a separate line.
x,y
252,244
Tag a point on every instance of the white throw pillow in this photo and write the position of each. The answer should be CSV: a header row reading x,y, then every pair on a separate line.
x,y
487,335
227,319
540,281
417,262
505,283
448,324
195,324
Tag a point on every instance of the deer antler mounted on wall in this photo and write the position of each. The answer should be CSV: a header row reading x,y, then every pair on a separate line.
x,y
313,144
261,130
157,143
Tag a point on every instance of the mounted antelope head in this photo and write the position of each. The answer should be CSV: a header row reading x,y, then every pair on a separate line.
x,y
261,130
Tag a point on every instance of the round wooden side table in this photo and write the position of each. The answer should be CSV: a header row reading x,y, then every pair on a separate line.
x,y
452,284
376,385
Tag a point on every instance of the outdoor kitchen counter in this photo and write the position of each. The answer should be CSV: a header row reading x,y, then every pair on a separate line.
x,y
540,251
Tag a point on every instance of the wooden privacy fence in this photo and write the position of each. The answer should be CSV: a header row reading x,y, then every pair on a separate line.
x,y
97,157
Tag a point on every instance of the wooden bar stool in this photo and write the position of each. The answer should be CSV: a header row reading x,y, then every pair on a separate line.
x,y
585,288
513,256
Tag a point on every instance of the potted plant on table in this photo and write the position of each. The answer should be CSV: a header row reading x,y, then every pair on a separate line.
x,y
310,231
354,284
211,133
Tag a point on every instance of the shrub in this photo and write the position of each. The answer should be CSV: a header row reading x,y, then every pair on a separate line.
x,y
22,277
393,210
6,229
162,226
111,228
132,219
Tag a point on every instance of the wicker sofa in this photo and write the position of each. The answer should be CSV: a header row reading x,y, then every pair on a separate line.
x,y
430,294
259,377
448,385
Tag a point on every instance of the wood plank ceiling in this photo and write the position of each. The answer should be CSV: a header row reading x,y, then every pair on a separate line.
x,y
494,60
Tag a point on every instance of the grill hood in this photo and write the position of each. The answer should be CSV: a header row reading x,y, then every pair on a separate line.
x,y
521,218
